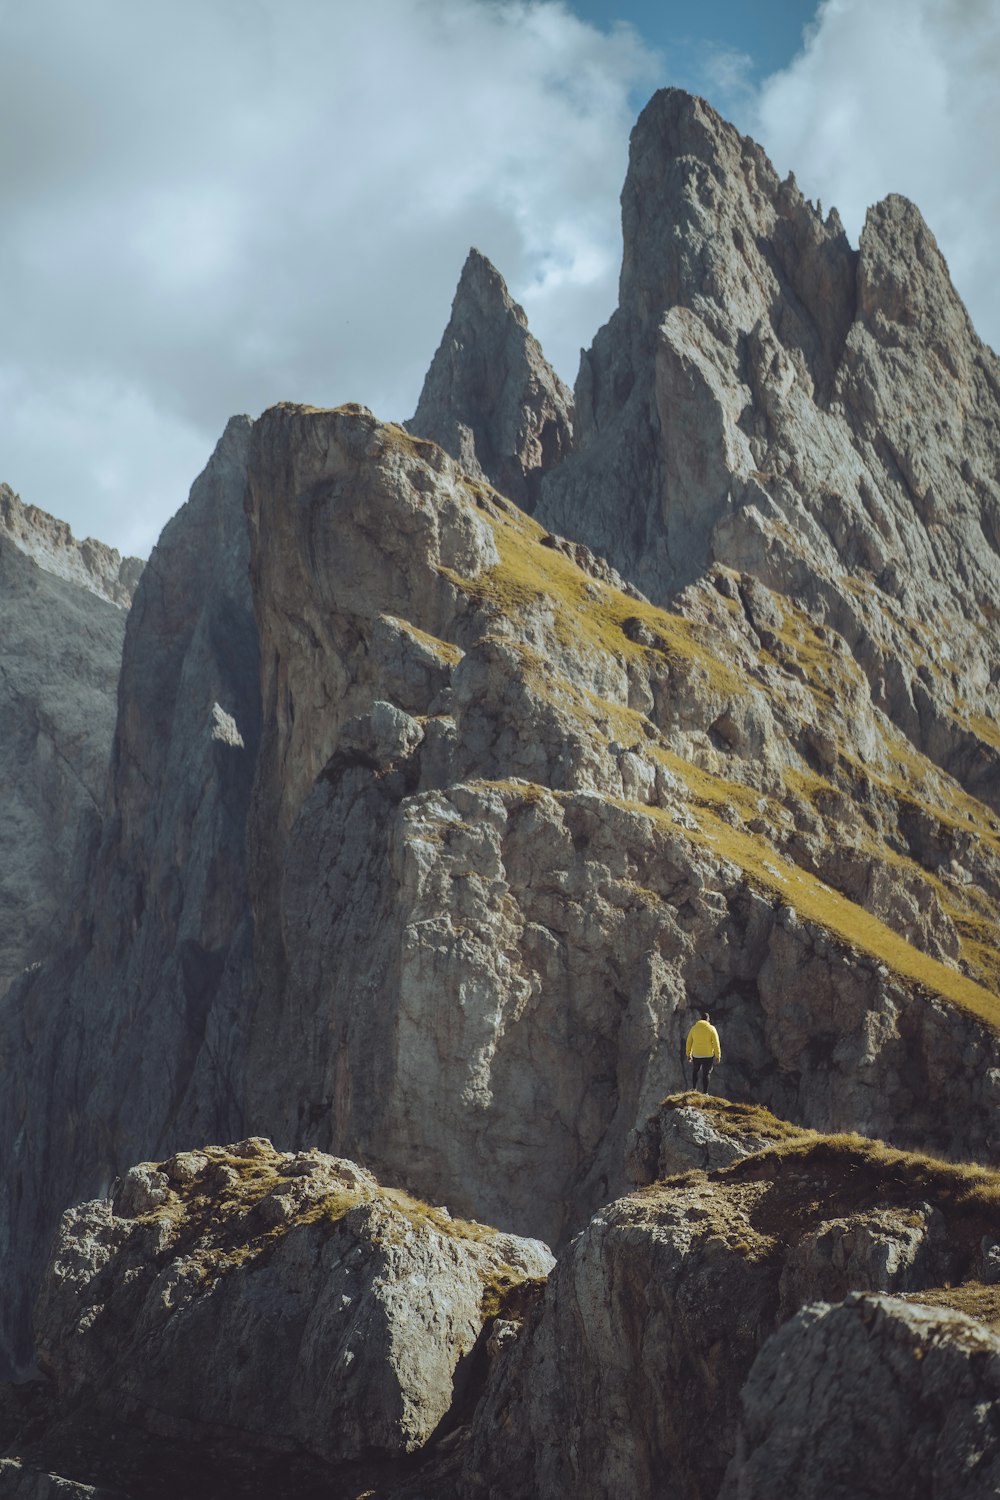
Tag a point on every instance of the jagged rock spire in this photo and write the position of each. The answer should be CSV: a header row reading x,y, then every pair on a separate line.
x,y
490,398
824,418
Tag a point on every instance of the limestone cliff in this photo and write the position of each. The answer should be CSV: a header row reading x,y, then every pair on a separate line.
x,y
237,1320
490,397
122,1038
662,1312
61,651
51,544
490,832
267,1319
826,419
426,832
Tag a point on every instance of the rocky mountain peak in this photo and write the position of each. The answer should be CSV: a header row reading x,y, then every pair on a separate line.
x,y
490,397
426,837
51,544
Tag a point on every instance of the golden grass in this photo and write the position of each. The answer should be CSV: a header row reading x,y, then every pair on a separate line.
x,y
448,653
818,903
587,614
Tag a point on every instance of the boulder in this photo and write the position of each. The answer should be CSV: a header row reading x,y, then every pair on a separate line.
x,y
871,1396
244,1303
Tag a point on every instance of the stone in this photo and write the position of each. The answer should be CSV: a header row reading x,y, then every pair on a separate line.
x,y
50,543
156,947
20,1483
490,398
274,1303
745,405
679,1310
62,645
908,1396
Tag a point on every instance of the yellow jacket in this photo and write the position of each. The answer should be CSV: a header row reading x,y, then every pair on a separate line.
x,y
703,1041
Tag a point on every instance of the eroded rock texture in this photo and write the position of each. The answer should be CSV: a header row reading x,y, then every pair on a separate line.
x,y
427,833
655,1318
51,544
61,651
490,397
490,832
249,1305
824,418
124,1038
909,1396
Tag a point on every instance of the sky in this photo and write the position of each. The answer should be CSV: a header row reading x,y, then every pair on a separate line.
x,y
214,205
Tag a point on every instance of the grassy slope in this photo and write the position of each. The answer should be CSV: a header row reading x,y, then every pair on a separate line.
x,y
587,615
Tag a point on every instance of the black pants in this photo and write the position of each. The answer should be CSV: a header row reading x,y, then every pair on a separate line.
x,y
706,1065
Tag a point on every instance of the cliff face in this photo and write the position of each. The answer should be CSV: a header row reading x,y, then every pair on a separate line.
x,y
427,832
743,406
61,654
490,397
486,807
51,544
680,1308
124,1035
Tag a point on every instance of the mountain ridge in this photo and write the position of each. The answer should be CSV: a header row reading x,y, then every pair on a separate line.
x,y
429,829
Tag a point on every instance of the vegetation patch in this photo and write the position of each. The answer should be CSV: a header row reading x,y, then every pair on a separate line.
x,y
819,1177
818,903
587,614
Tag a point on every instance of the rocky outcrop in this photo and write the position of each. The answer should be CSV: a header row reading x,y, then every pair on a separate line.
x,y
58,678
50,543
656,1317
490,398
910,1394
133,1022
482,839
825,419
693,1131
249,1306
427,831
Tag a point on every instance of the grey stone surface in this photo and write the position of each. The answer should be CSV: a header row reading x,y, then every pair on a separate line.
x,y
824,418
490,398
61,652
871,1397
51,544
18,1482
241,1297
125,1035
661,1313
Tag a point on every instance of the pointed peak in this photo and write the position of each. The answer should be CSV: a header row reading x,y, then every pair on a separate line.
x,y
682,124
482,285
490,398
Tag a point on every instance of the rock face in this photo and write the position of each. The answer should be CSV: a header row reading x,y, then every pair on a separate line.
x,y
51,544
427,832
873,1362
58,678
446,904
695,1131
490,398
744,405
133,1024
20,1483
660,1312
249,1305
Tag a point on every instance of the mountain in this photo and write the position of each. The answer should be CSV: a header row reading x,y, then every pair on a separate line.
x,y
62,623
457,765
491,398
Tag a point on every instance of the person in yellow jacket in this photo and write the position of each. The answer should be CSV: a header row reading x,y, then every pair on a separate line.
x,y
703,1049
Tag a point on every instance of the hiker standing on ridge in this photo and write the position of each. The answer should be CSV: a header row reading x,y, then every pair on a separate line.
x,y
703,1049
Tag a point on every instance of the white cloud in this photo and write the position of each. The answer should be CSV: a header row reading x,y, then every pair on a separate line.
x,y
899,96
222,203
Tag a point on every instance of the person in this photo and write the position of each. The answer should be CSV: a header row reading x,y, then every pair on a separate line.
x,y
703,1049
